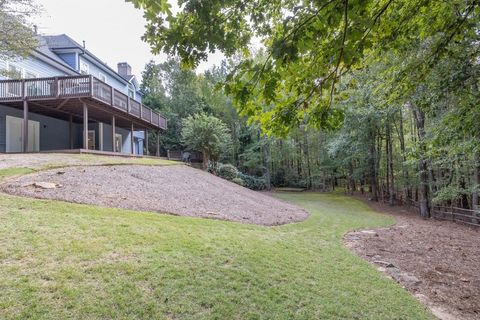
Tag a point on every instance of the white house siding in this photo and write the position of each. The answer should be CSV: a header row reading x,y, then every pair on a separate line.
x,y
33,65
95,71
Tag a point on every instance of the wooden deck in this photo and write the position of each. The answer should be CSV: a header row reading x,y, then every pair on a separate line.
x,y
62,96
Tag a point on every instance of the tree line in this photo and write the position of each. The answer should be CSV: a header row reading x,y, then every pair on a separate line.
x,y
375,96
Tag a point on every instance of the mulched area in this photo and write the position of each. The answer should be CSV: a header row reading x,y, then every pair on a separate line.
x,y
437,261
178,190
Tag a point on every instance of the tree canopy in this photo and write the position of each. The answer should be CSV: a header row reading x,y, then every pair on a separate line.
x,y
207,134
309,46
377,96
17,38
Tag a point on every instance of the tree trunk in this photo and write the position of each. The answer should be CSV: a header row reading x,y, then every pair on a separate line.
x,y
266,163
419,117
390,175
401,136
476,184
352,185
372,176
307,156
205,161
377,160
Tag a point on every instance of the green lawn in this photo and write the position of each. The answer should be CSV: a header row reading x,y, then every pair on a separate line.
x,y
60,261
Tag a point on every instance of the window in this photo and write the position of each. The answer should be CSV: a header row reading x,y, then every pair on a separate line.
x,y
84,67
118,142
102,77
131,92
14,71
30,75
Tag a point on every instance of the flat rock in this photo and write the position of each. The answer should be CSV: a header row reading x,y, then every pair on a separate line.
x,y
45,185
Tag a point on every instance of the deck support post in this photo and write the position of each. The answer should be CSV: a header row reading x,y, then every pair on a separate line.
x,y
85,126
25,126
132,141
100,136
146,141
157,153
113,134
70,130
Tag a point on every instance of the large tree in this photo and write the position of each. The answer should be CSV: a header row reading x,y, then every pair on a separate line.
x,y
309,45
17,39
207,134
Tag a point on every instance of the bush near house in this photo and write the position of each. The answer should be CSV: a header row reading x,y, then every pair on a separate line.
x,y
231,173
227,171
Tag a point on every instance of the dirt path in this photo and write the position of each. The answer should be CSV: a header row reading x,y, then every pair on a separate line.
x,y
178,190
437,261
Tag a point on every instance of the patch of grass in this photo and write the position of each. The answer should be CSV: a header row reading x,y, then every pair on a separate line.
x,y
10,172
60,260
90,158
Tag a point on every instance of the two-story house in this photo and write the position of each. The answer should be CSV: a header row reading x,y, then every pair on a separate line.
x,y
63,97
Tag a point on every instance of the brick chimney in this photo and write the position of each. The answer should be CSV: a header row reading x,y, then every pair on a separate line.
x,y
124,69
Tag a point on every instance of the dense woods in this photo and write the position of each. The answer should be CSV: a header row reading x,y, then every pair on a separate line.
x,y
378,97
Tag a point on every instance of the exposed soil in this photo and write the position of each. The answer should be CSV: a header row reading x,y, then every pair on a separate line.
x,y
178,190
437,261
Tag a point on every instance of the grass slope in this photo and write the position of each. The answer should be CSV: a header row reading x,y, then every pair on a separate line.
x,y
60,260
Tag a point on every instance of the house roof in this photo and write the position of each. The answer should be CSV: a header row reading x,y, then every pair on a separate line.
x,y
43,52
63,41
128,78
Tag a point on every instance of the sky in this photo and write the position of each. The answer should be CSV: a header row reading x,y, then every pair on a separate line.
x,y
111,29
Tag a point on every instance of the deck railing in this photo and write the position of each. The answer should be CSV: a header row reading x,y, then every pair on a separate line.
x,y
77,87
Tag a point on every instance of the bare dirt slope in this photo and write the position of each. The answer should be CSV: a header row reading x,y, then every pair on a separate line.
x,y
178,190
437,261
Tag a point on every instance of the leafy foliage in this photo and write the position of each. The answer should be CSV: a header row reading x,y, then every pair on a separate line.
x,y
227,171
309,45
17,38
253,182
207,134
238,181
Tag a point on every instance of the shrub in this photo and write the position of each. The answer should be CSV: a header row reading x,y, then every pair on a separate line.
x,y
239,181
253,182
227,171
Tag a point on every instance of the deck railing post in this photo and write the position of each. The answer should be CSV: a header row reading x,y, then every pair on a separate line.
x,y
129,107
24,90
91,86
56,88
112,96
141,110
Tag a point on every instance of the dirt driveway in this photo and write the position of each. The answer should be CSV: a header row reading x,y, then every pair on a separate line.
x,y
437,261
178,190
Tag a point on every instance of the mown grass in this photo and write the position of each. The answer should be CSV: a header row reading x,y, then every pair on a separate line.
x,y
60,260
6,173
